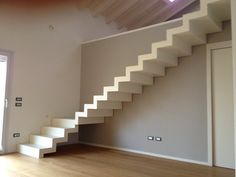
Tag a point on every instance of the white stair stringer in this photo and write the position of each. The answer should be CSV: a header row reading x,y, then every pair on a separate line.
x,y
164,54
46,142
178,43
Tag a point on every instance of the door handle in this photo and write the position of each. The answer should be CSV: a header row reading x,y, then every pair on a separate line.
x,y
6,103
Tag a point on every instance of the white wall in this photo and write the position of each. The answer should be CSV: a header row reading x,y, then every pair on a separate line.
x,y
45,68
233,19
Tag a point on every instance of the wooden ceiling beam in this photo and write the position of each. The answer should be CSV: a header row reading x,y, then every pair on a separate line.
x,y
173,10
113,7
101,7
142,7
126,5
133,14
165,11
145,11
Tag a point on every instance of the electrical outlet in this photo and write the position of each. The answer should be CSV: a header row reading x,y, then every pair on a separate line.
x,y
19,99
16,135
18,104
151,138
158,138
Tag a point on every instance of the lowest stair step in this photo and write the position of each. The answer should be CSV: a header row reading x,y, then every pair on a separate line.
x,y
46,140
33,150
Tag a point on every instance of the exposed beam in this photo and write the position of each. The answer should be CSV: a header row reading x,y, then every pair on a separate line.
x,y
103,6
141,8
173,10
146,20
126,5
113,7
154,9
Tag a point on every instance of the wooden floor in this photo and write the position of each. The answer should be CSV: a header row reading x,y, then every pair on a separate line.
x,y
86,161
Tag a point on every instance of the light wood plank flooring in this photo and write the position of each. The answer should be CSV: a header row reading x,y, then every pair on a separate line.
x,y
87,161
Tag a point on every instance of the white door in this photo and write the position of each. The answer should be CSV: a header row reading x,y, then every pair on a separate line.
x,y
3,79
222,108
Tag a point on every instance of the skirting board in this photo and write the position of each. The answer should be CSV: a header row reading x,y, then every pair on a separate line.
x,y
147,153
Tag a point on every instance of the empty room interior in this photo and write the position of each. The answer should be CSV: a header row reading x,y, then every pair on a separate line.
x,y
117,88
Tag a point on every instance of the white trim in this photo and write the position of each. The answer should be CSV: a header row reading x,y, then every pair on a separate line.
x,y
10,57
210,47
146,153
233,28
132,31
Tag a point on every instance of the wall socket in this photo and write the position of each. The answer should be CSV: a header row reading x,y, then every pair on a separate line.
x,y
16,135
18,104
158,138
151,138
19,99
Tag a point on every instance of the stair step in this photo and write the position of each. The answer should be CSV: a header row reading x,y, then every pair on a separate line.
x,y
113,96
90,120
178,39
174,46
124,87
192,35
207,24
109,105
41,140
160,57
220,8
127,87
95,113
32,150
116,96
135,78
165,58
141,78
154,69
149,68
203,22
63,123
99,113
104,105
53,131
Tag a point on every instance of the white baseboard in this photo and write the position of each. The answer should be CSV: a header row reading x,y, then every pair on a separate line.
x,y
147,153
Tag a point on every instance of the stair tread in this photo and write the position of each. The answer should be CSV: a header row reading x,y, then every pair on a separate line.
x,y
37,146
55,127
48,136
70,119
65,126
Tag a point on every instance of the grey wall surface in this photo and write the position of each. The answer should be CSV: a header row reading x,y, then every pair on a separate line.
x,y
174,108
224,35
105,59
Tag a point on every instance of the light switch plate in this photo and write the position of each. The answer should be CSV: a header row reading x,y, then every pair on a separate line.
x,y
151,138
158,138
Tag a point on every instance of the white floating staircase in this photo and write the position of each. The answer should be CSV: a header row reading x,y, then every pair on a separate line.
x,y
164,54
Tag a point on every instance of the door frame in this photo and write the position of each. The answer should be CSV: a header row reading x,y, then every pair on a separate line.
x,y
209,48
9,55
